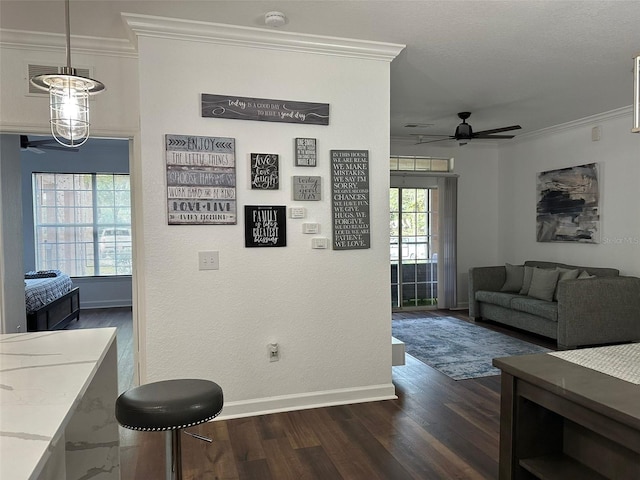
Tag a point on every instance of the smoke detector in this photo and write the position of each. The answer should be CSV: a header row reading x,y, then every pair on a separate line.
x,y
275,19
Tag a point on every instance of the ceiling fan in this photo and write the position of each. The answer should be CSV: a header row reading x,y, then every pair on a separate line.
x,y
39,146
464,132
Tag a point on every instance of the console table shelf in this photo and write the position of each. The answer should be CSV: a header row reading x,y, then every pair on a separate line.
x,y
558,467
559,420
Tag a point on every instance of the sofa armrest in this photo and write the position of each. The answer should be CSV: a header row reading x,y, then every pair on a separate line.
x,y
598,311
484,278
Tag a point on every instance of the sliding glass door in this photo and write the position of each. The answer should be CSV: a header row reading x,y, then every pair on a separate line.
x,y
413,245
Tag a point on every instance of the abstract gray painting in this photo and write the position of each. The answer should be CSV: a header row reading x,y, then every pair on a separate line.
x,y
567,208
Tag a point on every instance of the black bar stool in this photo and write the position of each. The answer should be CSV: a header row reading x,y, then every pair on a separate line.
x,y
170,405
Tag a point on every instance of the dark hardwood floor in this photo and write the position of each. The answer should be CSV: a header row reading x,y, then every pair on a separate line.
x,y
438,428
122,319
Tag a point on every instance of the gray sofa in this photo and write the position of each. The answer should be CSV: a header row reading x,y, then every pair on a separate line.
x,y
601,310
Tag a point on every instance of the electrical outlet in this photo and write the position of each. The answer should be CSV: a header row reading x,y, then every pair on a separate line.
x,y
273,351
208,261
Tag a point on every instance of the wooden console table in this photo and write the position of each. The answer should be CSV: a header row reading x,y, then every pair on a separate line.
x,y
559,420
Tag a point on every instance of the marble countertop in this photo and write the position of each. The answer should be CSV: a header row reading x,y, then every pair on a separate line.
x,y
43,376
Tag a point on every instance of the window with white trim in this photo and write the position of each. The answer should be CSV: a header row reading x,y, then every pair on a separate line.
x,y
82,223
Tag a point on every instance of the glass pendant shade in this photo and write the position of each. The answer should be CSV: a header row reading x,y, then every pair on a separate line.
x,y
636,95
68,99
68,104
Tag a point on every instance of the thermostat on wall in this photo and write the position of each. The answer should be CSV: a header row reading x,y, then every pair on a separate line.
x,y
297,212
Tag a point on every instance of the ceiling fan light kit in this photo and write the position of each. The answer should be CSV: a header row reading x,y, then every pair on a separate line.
x,y
464,130
636,95
68,98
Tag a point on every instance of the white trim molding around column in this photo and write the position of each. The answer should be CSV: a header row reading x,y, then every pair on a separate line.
x,y
636,94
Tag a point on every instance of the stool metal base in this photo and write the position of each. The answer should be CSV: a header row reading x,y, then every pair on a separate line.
x,y
173,452
173,448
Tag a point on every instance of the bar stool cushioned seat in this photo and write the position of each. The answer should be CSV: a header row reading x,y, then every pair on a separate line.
x,y
169,404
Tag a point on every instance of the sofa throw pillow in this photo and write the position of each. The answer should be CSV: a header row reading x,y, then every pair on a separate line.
x,y
526,282
585,274
543,284
515,275
565,274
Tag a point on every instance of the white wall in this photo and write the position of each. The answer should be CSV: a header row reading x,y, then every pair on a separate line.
x,y
329,310
618,157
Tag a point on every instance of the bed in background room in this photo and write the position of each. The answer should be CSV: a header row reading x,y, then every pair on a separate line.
x,y
52,301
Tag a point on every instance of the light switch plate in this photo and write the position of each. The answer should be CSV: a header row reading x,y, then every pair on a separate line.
x,y
320,242
297,212
311,228
208,261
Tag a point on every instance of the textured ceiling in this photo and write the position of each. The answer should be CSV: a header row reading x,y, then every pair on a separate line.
x,y
533,63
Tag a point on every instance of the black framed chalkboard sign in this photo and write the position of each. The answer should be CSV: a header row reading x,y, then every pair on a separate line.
x,y
265,226
265,171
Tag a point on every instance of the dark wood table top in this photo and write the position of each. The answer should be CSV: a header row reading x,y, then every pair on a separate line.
x,y
610,396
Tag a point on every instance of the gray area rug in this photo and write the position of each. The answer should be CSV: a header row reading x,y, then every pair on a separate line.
x,y
456,348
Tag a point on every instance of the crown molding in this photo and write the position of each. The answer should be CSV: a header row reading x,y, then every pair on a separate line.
x,y
22,39
45,129
581,122
222,34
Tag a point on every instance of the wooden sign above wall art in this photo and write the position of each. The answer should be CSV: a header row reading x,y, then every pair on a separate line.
x,y
350,199
201,180
264,109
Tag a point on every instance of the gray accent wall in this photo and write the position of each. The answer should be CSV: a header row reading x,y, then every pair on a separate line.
x,y
98,155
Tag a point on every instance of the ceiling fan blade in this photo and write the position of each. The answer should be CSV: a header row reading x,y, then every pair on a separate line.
x,y
55,147
419,135
34,150
498,130
493,136
34,143
449,137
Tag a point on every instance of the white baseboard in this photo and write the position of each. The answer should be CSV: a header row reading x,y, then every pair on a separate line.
x,y
287,403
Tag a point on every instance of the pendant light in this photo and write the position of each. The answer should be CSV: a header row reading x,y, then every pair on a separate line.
x,y
68,99
636,95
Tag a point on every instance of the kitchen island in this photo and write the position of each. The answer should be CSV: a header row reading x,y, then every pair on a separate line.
x,y
57,405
